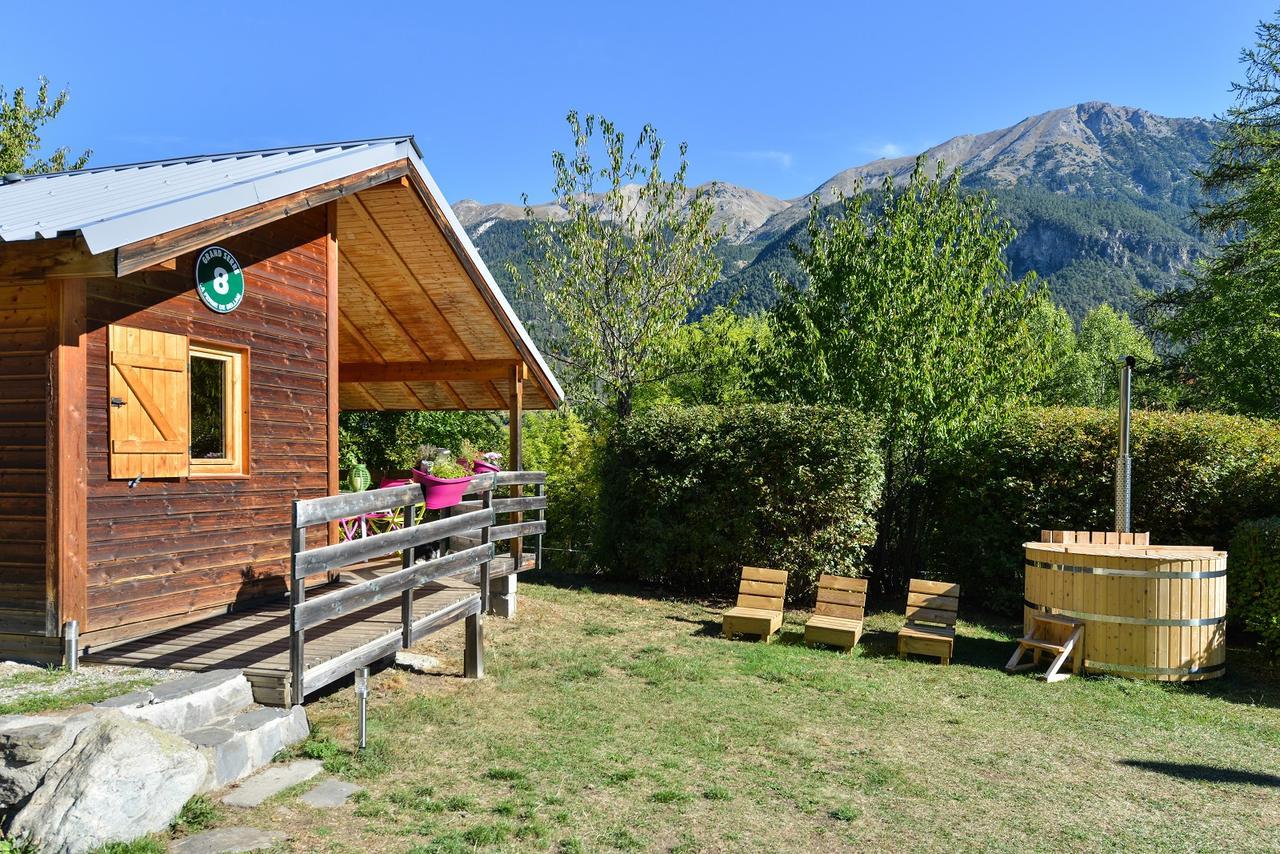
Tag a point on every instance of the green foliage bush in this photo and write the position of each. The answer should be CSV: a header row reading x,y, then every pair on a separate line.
x,y
1253,580
1195,478
563,445
389,441
690,495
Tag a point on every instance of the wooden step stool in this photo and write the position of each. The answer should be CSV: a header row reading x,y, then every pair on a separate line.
x,y
1045,628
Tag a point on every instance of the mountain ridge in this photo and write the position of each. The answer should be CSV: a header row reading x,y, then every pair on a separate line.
x,y
1102,196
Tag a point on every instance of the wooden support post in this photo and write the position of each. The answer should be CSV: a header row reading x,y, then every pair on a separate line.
x,y
297,595
473,665
66,448
515,442
539,490
486,501
331,355
406,598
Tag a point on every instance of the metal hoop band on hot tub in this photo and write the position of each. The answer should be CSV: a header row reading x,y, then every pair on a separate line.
x,y
1126,573
1211,670
1132,621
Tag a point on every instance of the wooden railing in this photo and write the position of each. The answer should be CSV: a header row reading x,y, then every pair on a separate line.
x,y
474,526
515,527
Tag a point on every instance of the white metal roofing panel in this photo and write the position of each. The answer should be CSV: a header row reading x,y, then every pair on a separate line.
x,y
116,206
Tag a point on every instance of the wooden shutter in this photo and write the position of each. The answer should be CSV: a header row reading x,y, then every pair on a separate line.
x,y
150,409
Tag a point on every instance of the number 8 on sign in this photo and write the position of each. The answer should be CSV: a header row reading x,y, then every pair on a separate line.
x,y
219,280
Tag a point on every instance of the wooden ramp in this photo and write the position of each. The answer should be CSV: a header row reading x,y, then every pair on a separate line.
x,y
256,639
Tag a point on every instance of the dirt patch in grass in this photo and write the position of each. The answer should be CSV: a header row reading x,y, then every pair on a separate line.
x,y
611,721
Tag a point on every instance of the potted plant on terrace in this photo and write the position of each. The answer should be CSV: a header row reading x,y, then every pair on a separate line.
x,y
478,462
443,480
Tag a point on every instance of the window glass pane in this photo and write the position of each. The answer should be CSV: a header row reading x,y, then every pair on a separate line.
x,y
208,408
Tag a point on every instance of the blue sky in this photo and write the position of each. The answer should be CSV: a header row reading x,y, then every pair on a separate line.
x,y
776,96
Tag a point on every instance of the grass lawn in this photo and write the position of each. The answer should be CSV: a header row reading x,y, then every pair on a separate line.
x,y
610,721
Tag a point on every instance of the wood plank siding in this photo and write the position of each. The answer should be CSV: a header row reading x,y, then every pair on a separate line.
x,y
168,551
26,340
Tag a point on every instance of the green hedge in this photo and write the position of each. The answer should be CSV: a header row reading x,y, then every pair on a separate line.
x,y
690,495
1195,478
1253,580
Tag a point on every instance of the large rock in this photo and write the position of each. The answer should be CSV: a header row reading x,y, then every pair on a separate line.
x,y
238,747
29,745
120,779
188,703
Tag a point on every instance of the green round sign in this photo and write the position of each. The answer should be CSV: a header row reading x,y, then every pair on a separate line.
x,y
219,279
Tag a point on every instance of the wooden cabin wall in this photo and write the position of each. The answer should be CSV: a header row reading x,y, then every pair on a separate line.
x,y
25,600
169,551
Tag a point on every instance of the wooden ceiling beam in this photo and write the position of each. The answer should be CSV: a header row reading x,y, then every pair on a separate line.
x,y
438,371
58,257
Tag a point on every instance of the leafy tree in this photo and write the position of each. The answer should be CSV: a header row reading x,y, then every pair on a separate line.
x,y
1083,367
910,315
714,361
1228,322
20,122
620,273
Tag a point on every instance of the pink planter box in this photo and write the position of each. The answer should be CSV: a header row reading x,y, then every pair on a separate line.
x,y
483,467
440,492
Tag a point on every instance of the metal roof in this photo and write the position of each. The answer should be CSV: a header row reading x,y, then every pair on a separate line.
x,y
114,206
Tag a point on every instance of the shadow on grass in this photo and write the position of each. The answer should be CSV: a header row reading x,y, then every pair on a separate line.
x,y
709,628
975,652
1196,773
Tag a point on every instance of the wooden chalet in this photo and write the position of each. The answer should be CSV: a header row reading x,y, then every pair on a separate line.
x,y
176,341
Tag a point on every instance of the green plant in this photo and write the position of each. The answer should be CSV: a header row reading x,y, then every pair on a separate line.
x,y
145,845
1253,594
912,316
619,274
197,814
447,469
690,495
1227,323
20,122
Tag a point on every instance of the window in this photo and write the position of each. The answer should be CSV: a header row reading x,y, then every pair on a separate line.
x,y
219,410
178,408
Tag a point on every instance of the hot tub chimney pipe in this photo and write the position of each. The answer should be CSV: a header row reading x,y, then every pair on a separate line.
x,y
1124,464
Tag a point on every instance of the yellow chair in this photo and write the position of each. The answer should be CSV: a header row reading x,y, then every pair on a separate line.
x,y
759,608
931,620
838,616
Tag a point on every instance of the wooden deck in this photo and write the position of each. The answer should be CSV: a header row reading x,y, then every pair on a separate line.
x,y
256,639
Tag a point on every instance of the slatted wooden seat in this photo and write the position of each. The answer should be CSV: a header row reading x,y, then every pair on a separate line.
x,y
759,608
839,613
931,619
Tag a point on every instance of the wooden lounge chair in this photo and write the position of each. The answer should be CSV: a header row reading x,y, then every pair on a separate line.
x,y
931,619
837,618
759,608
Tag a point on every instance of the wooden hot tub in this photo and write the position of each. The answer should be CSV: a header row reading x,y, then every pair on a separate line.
x,y
1150,612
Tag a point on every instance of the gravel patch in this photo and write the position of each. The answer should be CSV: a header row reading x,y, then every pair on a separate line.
x,y
21,681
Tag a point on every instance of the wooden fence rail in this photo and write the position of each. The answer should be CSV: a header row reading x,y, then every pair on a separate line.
x,y
474,528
